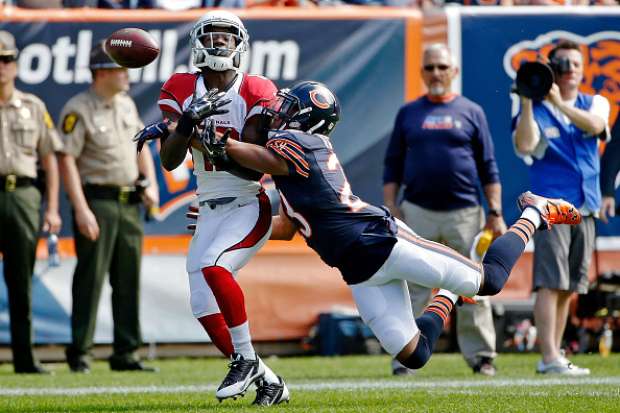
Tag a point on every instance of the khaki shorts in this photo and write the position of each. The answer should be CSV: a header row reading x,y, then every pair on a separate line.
x,y
562,257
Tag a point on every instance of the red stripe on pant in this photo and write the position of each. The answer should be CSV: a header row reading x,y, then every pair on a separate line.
x,y
228,295
262,224
216,328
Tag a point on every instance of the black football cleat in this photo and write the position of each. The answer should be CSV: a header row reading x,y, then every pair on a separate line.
x,y
268,394
241,375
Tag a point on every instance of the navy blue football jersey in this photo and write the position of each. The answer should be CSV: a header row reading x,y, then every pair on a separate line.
x,y
347,233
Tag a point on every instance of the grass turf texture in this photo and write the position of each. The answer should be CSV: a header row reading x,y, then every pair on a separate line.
x,y
339,384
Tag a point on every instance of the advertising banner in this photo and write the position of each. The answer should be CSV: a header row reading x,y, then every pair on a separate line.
x,y
362,56
362,60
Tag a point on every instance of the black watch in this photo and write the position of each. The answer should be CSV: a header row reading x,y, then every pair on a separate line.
x,y
495,212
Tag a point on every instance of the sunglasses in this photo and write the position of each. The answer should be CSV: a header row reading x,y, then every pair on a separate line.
x,y
430,68
8,59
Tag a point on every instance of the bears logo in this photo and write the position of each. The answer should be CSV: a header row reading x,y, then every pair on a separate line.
x,y
318,99
600,52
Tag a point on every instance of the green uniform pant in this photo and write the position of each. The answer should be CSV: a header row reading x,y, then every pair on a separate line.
x,y
19,227
118,250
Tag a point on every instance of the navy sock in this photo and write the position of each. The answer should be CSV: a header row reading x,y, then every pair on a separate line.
x,y
503,254
431,325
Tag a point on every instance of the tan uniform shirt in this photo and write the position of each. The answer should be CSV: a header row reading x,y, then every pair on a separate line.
x,y
26,134
99,136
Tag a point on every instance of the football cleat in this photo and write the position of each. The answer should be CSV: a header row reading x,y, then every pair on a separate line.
x,y
552,211
466,300
241,375
268,394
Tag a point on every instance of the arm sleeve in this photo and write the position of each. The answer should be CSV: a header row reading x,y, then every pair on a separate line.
x,y
72,131
484,151
292,153
610,163
600,107
49,140
394,161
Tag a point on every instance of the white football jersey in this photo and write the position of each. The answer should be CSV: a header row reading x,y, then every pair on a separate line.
x,y
249,94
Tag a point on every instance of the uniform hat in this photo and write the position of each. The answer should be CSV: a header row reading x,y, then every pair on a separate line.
x,y
7,44
99,59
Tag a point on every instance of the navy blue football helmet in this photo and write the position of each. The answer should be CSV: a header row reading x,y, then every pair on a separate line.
x,y
307,106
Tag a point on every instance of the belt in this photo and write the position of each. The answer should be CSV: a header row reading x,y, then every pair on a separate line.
x,y
8,183
217,201
122,194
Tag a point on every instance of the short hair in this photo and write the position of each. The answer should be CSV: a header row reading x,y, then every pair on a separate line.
x,y
439,47
563,45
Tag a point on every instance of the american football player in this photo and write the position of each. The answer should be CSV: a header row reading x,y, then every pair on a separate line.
x,y
374,252
235,212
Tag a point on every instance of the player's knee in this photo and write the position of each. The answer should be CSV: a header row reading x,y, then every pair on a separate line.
x,y
199,302
390,333
420,355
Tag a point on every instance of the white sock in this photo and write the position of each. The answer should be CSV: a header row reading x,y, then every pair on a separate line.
x,y
270,377
242,341
532,214
449,294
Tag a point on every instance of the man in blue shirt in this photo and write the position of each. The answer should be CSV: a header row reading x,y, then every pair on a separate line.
x,y
441,151
559,136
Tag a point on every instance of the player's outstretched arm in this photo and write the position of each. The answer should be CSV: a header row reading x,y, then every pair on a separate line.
x,y
256,157
282,228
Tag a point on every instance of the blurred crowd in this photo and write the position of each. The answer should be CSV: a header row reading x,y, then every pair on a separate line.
x,y
193,4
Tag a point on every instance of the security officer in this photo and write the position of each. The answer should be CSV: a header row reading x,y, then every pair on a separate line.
x,y
27,135
100,171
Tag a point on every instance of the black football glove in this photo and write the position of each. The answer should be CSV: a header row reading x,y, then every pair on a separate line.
x,y
201,108
215,149
157,130
214,146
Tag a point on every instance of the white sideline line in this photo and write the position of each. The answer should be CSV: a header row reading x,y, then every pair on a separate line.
x,y
339,385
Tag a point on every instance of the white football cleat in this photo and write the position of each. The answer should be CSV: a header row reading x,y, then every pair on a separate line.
x,y
241,375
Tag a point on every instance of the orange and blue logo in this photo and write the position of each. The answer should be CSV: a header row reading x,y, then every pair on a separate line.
x,y
600,52
319,100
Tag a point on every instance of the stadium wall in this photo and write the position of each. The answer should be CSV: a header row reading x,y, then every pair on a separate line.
x,y
370,57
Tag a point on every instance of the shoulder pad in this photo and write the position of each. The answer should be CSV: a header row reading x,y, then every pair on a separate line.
x,y
256,89
176,90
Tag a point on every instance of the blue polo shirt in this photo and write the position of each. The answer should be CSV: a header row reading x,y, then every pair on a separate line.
x,y
440,152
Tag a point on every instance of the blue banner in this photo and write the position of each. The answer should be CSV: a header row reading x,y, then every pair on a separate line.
x,y
361,60
493,47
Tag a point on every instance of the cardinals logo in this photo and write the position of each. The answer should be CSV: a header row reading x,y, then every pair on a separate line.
x,y
601,74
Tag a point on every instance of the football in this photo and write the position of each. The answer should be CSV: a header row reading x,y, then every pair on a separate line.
x,y
132,47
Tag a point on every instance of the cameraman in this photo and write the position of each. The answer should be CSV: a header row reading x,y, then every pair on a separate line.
x,y
561,134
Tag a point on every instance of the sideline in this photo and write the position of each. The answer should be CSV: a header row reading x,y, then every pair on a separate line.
x,y
322,386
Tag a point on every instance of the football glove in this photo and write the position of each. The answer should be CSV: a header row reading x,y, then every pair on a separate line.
x,y
201,108
157,130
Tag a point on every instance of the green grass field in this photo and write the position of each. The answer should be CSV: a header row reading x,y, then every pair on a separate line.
x,y
318,384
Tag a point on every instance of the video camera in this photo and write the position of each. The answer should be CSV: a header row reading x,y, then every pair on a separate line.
x,y
534,79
